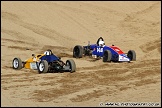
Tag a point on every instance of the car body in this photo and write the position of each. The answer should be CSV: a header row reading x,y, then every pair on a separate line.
x,y
45,63
107,53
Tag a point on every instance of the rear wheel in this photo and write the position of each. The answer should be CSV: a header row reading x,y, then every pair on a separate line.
x,y
17,63
71,64
78,51
107,56
43,66
132,55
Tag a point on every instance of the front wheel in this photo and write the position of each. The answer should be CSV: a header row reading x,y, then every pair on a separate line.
x,y
43,66
107,56
132,55
17,63
71,64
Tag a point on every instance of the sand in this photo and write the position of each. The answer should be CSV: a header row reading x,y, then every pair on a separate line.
x,y
59,26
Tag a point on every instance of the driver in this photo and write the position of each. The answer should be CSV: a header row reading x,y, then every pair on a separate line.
x,y
100,42
48,52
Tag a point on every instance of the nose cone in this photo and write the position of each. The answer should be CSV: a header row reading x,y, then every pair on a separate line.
x,y
123,58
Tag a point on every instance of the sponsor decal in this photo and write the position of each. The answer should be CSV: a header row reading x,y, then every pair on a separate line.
x,y
122,58
33,65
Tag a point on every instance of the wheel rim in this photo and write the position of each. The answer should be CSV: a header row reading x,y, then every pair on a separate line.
x,y
41,67
68,64
16,63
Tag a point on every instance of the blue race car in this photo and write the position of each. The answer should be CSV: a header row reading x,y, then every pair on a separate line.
x,y
107,53
47,62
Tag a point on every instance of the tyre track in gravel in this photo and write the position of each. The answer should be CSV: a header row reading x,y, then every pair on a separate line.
x,y
95,76
90,82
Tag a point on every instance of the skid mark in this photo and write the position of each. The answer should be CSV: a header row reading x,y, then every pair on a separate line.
x,y
21,48
144,82
10,16
18,35
145,63
49,33
150,46
88,96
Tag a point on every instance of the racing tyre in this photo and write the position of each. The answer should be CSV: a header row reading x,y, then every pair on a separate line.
x,y
17,63
132,55
72,65
107,56
43,66
78,51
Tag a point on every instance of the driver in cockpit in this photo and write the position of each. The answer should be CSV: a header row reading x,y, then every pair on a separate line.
x,y
48,52
100,42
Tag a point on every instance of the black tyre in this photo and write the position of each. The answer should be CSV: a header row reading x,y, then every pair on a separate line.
x,y
78,51
132,55
72,65
107,56
17,63
43,66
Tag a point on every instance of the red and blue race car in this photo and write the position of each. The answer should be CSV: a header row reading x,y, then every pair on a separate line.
x,y
107,53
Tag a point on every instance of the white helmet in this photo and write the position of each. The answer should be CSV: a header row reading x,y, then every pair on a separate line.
x,y
47,53
101,43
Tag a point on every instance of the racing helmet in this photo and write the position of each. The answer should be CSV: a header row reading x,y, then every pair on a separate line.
x,y
47,53
101,43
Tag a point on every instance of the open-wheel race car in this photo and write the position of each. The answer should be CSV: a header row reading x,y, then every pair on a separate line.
x,y
47,62
107,53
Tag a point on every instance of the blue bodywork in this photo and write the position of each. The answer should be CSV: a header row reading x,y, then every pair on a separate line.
x,y
49,58
117,54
